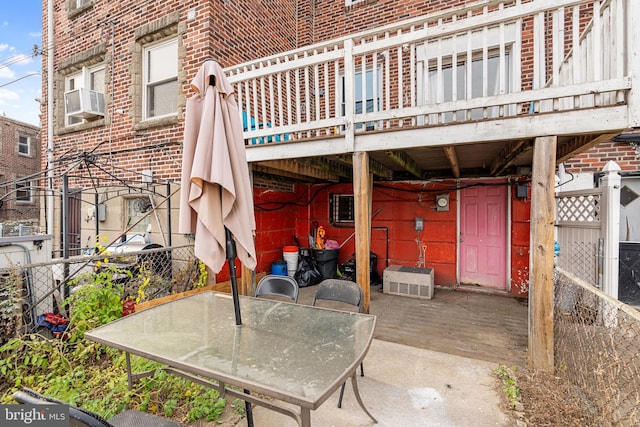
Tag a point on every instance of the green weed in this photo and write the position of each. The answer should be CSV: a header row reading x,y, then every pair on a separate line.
x,y
510,386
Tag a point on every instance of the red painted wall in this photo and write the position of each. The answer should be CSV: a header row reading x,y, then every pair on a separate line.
x,y
286,217
520,228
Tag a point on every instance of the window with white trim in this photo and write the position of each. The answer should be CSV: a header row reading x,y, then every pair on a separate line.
x,y
484,64
77,7
89,78
477,83
367,101
160,79
24,145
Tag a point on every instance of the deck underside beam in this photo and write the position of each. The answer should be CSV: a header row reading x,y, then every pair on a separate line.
x,y
596,122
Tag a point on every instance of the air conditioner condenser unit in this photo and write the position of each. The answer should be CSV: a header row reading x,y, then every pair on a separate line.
x,y
408,281
84,103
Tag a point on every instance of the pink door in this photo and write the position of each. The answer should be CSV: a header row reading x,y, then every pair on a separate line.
x,y
483,255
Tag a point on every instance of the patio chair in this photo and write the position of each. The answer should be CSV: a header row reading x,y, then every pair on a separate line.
x,y
82,418
345,292
274,285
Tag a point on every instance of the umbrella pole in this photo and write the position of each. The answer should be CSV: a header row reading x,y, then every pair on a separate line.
x,y
231,256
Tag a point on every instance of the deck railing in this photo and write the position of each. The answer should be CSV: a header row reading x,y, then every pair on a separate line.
x,y
487,60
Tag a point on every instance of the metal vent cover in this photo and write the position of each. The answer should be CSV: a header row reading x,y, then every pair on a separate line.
x,y
408,281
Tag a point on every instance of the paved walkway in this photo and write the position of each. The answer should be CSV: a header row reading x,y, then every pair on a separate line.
x,y
406,386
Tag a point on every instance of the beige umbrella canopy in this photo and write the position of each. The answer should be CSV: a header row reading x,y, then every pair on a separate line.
x,y
216,190
216,201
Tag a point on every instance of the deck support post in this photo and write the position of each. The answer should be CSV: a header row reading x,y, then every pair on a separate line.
x,y
362,182
541,276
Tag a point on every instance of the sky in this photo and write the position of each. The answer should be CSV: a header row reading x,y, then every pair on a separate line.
x,y
20,71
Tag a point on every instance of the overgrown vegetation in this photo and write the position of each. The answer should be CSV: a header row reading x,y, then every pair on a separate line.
x,y
545,400
93,376
510,387
8,296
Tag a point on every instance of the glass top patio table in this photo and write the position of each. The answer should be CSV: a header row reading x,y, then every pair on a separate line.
x,y
291,352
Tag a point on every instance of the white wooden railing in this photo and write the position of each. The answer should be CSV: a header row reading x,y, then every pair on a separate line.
x,y
527,57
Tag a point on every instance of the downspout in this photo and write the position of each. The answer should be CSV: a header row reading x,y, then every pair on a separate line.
x,y
49,202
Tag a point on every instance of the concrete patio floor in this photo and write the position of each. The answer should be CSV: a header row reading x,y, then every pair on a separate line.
x,y
406,386
431,363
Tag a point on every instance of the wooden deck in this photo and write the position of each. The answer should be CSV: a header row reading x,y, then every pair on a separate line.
x,y
524,70
463,323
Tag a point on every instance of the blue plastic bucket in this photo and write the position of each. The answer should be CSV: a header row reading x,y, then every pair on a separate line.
x,y
279,267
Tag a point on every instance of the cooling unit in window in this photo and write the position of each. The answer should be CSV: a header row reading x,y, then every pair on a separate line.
x,y
408,281
84,103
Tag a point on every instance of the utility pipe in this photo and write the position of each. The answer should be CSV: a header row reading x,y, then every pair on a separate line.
x,y
50,199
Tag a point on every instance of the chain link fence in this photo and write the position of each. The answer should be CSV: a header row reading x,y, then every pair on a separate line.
x,y
28,291
597,349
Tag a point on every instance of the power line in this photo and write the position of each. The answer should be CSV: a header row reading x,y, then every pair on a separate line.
x,y
15,59
20,78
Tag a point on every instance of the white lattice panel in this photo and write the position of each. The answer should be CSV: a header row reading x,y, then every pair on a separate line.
x,y
578,208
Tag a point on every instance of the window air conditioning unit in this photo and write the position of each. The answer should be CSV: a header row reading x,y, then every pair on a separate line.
x,y
84,103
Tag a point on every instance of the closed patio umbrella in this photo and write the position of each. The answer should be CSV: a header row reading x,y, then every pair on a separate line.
x,y
216,200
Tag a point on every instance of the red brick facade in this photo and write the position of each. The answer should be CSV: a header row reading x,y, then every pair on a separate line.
x,y
15,163
623,153
114,34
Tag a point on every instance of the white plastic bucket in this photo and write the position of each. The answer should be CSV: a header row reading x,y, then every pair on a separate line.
x,y
290,255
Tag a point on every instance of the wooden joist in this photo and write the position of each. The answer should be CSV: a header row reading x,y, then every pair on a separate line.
x,y
375,167
407,163
580,144
296,170
450,152
509,155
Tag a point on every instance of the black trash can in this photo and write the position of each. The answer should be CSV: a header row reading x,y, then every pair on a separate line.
x,y
374,277
327,260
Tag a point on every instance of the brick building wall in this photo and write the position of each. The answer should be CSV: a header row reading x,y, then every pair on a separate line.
x,y
117,148
593,160
113,33
107,154
16,163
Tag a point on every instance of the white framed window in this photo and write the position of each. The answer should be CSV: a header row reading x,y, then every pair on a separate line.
x,y
76,7
23,191
160,79
366,101
24,145
89,78
477,83
478,58
350,2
